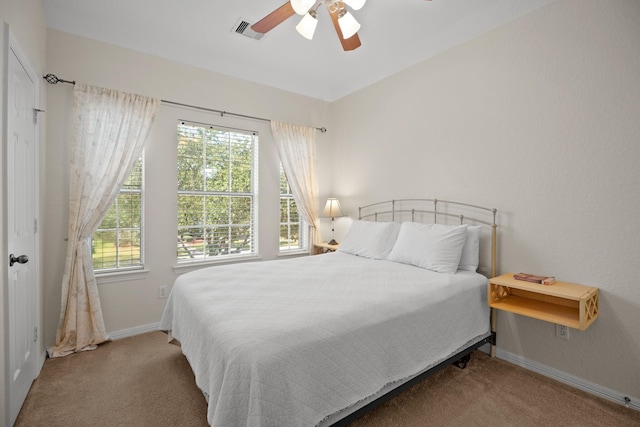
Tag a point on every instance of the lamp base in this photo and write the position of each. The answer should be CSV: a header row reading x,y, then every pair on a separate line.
x,y
333,242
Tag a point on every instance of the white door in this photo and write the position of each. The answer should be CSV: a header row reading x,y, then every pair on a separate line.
x,y
22,301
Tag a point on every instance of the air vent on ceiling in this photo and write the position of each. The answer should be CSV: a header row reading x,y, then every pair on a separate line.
x,y
243,27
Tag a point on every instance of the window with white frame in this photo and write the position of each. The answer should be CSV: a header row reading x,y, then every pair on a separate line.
x,y
117,243
293,230
217,192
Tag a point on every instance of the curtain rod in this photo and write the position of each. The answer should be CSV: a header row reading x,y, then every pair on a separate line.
x,y
223,113
53,79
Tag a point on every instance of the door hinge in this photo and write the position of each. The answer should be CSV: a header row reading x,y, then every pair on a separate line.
x,y
35,333
35,225
35,115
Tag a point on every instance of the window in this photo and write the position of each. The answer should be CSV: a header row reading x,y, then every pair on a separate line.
x,y
293,229
217,192
117,243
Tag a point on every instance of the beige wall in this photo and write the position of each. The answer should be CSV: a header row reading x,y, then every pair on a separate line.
x,y
131,301
25,20
538,119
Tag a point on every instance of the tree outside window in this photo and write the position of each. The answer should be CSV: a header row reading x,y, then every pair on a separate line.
x,y
293,229
217,192
117,243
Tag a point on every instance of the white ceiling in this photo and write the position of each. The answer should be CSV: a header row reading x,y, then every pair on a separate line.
x,y
395,34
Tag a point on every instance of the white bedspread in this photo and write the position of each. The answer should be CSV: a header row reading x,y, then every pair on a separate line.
x,y
291,342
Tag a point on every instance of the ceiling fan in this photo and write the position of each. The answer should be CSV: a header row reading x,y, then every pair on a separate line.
x,y
345,24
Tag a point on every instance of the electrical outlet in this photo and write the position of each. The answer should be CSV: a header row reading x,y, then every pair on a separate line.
x,y
562,332
162,292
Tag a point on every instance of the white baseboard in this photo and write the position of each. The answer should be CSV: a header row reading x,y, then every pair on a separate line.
x,y
130,332
563,377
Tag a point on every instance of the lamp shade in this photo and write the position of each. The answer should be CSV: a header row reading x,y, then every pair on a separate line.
x,y
348,25
332,208
355,4
307,26
301,7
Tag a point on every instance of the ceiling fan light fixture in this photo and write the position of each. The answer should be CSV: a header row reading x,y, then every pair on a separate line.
x,y
301,7
348,25
307,25
355,4
345,25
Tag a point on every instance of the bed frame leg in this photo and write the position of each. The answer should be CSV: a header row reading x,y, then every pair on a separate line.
x,y
493,332
462,362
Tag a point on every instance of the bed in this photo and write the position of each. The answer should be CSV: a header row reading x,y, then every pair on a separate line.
x,y
320,340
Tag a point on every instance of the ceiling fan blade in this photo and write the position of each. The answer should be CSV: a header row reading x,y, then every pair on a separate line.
x,y
352,42
274,19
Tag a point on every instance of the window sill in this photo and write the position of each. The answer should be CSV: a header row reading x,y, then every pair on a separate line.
x,y
187,266
286,254
120,276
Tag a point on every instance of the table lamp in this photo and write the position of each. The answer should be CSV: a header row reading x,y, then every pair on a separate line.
x,y
332,210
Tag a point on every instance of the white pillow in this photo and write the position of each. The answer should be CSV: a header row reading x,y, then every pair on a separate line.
x,y
431,246
370,239
470,257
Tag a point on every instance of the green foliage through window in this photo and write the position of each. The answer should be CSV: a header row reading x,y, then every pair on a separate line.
x,y
217,192
117,243
293,231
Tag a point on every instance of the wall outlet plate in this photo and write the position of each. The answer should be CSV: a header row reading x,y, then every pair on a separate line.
x,y
162,292
562,331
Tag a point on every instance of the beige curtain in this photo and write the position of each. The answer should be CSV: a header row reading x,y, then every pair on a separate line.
x,y
109,131
297,148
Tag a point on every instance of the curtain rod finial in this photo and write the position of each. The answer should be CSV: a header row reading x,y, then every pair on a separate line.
x,y
53,79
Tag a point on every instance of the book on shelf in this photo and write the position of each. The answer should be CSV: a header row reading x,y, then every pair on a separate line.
x,y
534,278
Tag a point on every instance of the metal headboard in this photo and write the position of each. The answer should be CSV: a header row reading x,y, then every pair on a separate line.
x,y
419,210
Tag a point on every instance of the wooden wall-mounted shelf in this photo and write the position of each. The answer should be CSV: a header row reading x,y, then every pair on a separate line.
x,y
568,304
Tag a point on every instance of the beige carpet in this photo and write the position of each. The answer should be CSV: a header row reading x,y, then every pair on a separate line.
x,y
144,381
